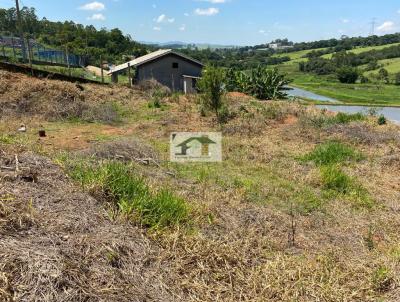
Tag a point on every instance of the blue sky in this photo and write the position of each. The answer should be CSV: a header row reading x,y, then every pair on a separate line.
x,y
238,22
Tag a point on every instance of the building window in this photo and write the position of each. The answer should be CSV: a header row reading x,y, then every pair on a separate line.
x,y
175,65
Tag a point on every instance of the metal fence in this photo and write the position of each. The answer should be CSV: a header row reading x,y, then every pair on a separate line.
x,y
14,48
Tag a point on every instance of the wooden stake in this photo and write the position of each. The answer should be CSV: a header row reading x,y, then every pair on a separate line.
x,y
102,69
129,74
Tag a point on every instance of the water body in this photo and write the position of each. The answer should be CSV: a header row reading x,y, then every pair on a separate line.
x,y
301,93
391,113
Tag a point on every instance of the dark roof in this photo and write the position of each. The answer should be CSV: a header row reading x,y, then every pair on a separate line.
x,y
151,57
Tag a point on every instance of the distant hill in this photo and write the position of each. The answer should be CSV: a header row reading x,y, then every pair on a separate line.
x,y
180,45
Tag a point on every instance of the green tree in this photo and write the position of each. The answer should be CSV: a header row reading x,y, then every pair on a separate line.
x,y
397,79
347,75
212,89
383,75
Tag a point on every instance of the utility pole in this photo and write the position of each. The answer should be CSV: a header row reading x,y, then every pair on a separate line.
x,y
373,24
20,31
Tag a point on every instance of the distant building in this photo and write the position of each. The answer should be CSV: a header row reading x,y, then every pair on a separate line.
x,y
170,68
278,46
274,45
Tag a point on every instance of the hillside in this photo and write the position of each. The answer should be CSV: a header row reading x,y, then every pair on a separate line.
x,y
304,206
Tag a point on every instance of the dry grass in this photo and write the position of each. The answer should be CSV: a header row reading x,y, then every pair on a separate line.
x,y
70,248
23,97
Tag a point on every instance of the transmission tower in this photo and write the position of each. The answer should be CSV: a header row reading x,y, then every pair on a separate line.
x,y
373,24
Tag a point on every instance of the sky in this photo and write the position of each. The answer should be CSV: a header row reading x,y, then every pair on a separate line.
x,y
226,22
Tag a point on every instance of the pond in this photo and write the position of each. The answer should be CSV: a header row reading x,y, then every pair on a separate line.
x,y
301,93
391,113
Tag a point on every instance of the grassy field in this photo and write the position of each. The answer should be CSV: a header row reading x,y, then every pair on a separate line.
x,y
358,94
391,65
304,206
359,50
297,56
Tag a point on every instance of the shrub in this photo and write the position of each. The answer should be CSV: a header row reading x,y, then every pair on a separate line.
x,y
364,79
382,120
382,279
397,79
345,118
268,84
383,75
347,75
212,87
262,83
130,193
332,153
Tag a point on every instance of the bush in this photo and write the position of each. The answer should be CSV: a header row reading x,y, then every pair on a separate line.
x,y
345,118
364,79
382,120
262,83
130,193
212,88
397,79
347,75
382,279
332,153
383,75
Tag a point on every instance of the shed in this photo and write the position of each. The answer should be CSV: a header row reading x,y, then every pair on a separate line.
x,y
172,69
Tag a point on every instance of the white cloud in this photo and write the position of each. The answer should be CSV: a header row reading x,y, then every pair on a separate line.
x,y
387,26
93,6
261,31
186,14
156,28
97,17
154,6
183,27
206,12
161,18
345,21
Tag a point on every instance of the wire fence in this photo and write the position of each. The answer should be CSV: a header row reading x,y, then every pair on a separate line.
x,y
17,50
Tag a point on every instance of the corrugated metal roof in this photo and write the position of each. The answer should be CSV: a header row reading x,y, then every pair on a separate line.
x,y
149,57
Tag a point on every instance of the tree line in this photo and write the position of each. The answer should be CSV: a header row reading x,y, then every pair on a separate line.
x,y
347,64
79,39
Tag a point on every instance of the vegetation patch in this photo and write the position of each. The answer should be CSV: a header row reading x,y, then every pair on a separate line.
x,y
332,152
335,181
324,120
131,194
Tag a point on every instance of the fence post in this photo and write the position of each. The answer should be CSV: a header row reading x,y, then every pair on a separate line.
x,y
129,74
67,55
29,55
102,69
13,48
